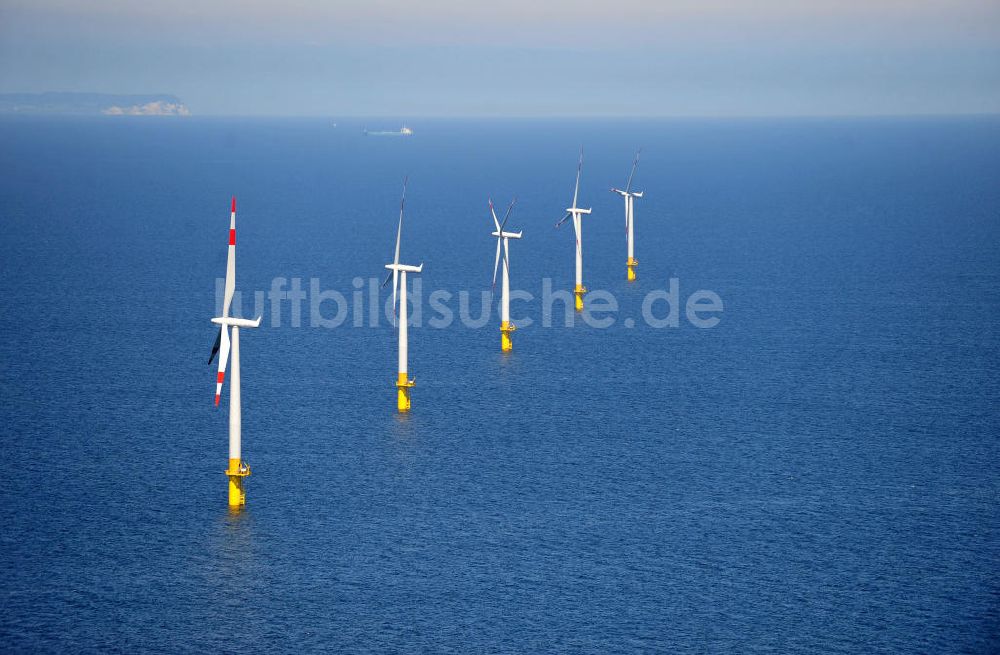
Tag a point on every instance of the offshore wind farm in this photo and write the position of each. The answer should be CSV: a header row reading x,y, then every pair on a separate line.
x,y
592,470
238,470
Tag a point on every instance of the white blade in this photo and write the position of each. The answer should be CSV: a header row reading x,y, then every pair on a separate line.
x,y
499,225
628,201
506,215
399,234
496,262
230,262
628,187
399,229
494,213
395,281
579,167
223,360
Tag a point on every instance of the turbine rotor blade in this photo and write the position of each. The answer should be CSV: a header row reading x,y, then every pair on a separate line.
x,y
506,256
399,228
215,347
230,261
564,219
395,284
635,162
399,234
628,201
496,264
223,360
506,215
494,214
579,167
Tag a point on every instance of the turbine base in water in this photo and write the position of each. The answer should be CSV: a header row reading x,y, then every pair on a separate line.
x,y
506,345
237,471
403,385
578,292
631,263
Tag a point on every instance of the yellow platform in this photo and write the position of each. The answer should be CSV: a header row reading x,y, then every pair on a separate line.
x,y
506,345
236,472
403,386
578,292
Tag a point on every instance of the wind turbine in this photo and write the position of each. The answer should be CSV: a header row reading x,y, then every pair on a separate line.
x,y
399,271
630,197
238,469
506,327
577,214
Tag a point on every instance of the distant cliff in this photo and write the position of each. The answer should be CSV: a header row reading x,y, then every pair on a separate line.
x,y
93,104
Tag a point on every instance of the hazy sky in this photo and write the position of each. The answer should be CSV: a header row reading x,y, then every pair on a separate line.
x,y
520,58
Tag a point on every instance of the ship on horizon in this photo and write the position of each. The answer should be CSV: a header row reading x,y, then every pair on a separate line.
x,y
403,131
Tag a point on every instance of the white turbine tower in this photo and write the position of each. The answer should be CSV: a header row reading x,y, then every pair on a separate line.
x,y
506,327
630,197
577,215
399,271
237,468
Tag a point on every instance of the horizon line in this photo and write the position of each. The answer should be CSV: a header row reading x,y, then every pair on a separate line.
x,y
568,117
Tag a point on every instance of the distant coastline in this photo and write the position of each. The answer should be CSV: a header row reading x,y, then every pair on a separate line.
x,y
93,104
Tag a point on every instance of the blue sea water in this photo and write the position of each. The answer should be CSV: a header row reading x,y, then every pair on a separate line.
x,y
817,473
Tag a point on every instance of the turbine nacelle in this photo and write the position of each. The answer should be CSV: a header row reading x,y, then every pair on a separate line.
x,y
237,322
634,194
405,268
577,210
506,235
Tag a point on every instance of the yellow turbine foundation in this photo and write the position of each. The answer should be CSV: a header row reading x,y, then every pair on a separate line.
x,y
403,385
506,345
631,263
578,292
237,471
